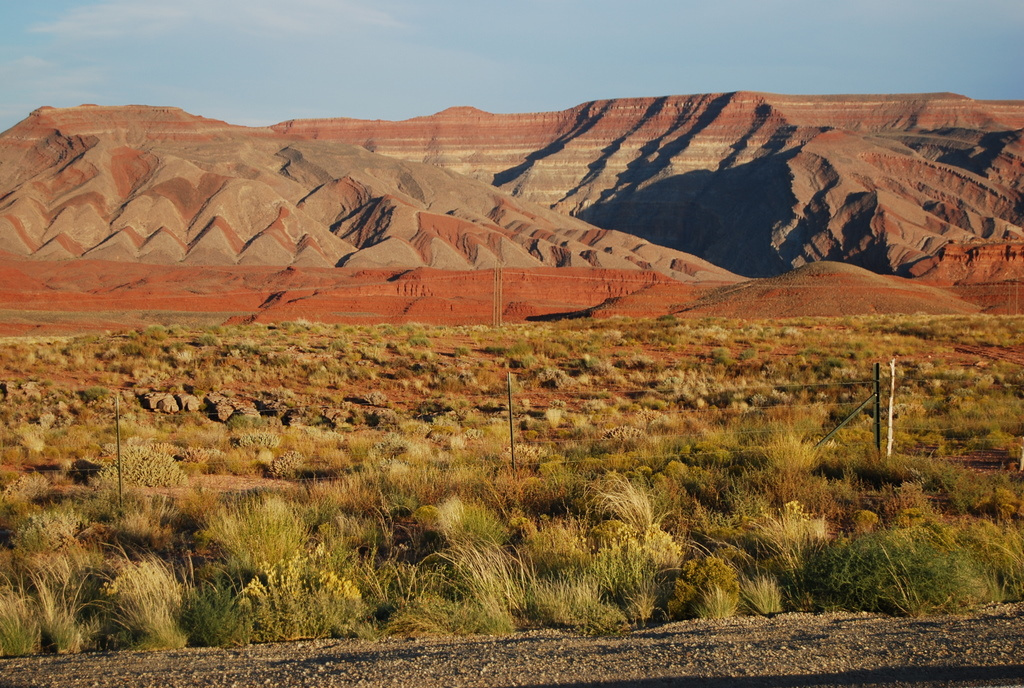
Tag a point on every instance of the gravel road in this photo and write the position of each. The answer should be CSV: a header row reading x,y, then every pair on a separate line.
x,y
786,651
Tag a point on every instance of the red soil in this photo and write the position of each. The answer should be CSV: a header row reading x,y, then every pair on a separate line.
x,y
47,297
42,297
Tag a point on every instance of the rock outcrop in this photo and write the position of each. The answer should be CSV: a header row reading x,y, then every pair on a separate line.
x,y
161,186
756,183
973,264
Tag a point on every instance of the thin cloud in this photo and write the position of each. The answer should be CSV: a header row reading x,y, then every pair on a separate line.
x,y
127,18
114,19
31,81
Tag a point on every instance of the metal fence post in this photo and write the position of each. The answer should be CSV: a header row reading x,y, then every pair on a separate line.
x,y
878,406
117,427
511,430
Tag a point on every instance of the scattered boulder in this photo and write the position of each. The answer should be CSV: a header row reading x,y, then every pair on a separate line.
x,y
223,407
377,398
189,402
220,406
161,402
293,418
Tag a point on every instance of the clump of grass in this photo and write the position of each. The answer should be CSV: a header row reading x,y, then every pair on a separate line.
x,y
64,590
491,580
462,523
256,531
556,548
792,534
19,624
717,603
575,602
791,453
145,604
761,595
628,503
903,572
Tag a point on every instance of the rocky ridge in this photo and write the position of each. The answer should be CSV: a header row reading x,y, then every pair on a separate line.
x,y
158,185
756,183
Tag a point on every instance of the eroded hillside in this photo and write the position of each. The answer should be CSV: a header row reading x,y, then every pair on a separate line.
x,y
157,185
755,183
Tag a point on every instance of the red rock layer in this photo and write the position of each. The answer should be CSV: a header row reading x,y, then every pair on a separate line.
x,y
89,295
757,183
973,264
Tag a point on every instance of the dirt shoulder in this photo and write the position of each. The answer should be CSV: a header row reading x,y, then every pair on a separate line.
x,y
789,650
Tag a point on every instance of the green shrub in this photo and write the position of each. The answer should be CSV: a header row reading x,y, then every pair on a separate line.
x,y
903,572
264,439
28,487
632,570
144,466
95,393
286,466
575,603
48,531
700,579
207,339
214,616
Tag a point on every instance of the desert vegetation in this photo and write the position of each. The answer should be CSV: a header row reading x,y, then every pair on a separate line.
x,y
302,480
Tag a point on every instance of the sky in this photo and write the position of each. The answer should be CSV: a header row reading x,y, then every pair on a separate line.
x,y
256,62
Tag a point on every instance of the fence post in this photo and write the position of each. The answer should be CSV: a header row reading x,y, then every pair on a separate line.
x,y
892,395
117,428
511,430
878,406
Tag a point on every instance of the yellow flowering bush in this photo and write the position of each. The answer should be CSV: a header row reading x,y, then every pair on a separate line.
x,y
300,597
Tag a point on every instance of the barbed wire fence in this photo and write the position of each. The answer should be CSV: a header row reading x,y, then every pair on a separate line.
x,y
740,417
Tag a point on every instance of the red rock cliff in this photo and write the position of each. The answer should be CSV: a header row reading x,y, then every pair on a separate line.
x,y
754,182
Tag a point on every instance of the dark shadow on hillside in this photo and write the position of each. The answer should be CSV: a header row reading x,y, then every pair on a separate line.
x,y
724,216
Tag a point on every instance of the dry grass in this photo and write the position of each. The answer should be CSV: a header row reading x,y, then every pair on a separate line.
x,y
637,442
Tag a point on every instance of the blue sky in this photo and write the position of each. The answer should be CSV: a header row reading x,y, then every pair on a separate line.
x,y
264,61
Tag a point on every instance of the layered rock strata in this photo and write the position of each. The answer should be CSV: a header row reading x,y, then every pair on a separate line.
x,y
158,185
756,183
